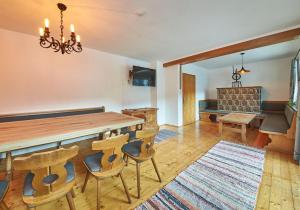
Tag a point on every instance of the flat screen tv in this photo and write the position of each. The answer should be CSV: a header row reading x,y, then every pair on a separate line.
x,y
143,76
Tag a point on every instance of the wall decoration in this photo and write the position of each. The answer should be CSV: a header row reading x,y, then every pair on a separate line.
x,y
236,76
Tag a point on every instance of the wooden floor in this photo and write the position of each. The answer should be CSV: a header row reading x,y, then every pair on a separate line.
x,y
280,188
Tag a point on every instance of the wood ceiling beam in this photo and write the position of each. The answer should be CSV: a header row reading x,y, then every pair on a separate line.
x,y
242,46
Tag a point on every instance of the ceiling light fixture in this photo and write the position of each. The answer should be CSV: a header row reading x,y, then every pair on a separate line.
x,y
243,70
65,46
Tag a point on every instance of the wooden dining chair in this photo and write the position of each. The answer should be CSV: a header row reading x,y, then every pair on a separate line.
x,y
51,176
4,184
107,162
142,116
142,150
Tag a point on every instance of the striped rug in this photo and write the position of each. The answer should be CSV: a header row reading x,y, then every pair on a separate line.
x,y
164,134
227,177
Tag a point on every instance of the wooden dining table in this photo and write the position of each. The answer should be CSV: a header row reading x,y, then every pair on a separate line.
x,y
29,133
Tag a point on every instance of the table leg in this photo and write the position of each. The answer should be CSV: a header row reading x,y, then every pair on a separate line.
x,y
244,137
220,128
8,165
59,145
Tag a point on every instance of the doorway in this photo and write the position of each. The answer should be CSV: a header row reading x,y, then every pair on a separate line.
x,y
188,98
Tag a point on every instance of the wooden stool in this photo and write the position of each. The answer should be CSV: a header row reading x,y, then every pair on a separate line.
x,y
51,176
107,162
142,150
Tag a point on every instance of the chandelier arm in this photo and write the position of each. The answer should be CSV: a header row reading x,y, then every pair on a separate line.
x,y
56,45
68,52
68,49
77,48
45,42
73,42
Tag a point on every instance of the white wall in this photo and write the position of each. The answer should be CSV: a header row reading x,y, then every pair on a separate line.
x,y
272,75
36,79
172,99
160,93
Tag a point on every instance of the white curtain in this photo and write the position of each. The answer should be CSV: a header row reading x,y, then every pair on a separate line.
x,y
294,82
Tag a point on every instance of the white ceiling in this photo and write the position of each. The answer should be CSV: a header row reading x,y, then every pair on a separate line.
x,y
281,50
164,30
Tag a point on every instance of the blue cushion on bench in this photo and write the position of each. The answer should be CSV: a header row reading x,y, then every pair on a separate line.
x,y
275,123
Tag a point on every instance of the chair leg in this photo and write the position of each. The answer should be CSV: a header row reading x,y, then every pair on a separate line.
x,y
3,205
126,159
98,194
70,201
125,187
85,181
31,207
138,179
156,170
73,193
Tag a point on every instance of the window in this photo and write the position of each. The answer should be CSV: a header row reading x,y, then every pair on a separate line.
x,y
294,83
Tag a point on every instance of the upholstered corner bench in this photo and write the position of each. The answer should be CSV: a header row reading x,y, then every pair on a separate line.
x,y
280,128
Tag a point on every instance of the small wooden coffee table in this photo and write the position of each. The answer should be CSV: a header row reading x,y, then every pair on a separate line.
x,y
238,122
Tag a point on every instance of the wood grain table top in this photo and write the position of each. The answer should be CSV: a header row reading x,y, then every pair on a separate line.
x,y
28,133
238,118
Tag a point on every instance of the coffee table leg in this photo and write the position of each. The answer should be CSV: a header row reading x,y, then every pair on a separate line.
x,y
8,165
244,138
220,128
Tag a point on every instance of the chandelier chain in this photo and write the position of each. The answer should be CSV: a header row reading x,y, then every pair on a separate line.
x,y
61,27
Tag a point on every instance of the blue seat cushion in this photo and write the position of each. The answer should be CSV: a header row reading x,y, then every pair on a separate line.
x,y
133,148
275,123
3,188
93,161
28,189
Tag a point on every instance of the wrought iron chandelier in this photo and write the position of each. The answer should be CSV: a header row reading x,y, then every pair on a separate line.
x,y
65,46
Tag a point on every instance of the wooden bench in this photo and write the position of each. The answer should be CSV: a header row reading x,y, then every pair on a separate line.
x,y
280,128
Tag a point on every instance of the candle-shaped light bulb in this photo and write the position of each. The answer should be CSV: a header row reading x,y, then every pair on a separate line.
x,y
63,40
72,28
78,38
41,30
47,23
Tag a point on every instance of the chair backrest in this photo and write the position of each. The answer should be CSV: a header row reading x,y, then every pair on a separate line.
x,y
112,151
43,165
142,116
147,136
289,114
